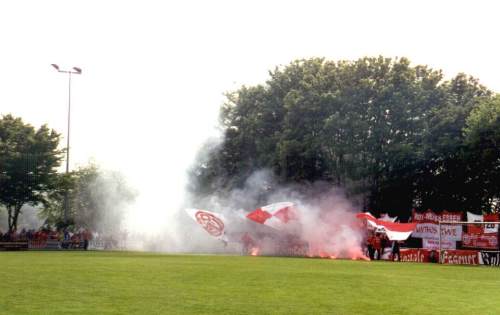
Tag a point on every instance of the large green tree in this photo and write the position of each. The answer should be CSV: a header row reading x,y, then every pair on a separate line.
x,y
29,159
482,155
379,127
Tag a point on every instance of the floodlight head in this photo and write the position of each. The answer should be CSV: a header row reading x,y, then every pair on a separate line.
x,y
78,70
55,66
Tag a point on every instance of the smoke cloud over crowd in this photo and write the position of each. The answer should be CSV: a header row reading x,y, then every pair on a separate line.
x,y
325,222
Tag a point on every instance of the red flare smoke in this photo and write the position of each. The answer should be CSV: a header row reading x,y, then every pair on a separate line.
x,y
255,251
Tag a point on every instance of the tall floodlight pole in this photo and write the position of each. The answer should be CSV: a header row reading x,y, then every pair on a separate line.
x,y
74,70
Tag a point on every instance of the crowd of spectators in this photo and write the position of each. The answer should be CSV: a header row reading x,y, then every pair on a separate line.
x,y
66,238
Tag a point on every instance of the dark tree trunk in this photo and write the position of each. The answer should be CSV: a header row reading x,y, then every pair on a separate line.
x,y
10,218
13,212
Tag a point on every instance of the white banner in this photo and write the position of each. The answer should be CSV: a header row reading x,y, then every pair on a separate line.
x,y
431,231
491,228
434,244
471,217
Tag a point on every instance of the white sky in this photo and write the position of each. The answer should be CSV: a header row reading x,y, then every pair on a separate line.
x,y
154,71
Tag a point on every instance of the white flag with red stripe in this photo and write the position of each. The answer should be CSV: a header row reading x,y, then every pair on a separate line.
x,y
275,215
394,231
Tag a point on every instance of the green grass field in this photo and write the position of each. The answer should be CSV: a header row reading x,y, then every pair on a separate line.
x,y
139,283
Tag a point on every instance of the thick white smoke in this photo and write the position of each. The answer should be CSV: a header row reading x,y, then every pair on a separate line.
x,y
28,219
326,223
326,218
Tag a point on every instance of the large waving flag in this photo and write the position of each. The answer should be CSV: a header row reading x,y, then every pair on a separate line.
x,y
210,221
477,228
394,231
275,215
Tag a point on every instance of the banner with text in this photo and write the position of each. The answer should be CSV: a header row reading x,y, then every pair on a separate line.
x,y
431,231
487,241
492,217
428,227
430,216
460,257
429,243
417,255
454,257
490,258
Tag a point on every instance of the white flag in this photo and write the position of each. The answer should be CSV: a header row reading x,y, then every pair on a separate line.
x,y
471,217
212,222
385,217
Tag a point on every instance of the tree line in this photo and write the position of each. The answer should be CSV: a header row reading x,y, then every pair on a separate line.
x,y
29,175
400,136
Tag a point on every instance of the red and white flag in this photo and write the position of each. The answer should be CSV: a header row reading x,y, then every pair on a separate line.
x,y
210,221
476,228
275,215
394,231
